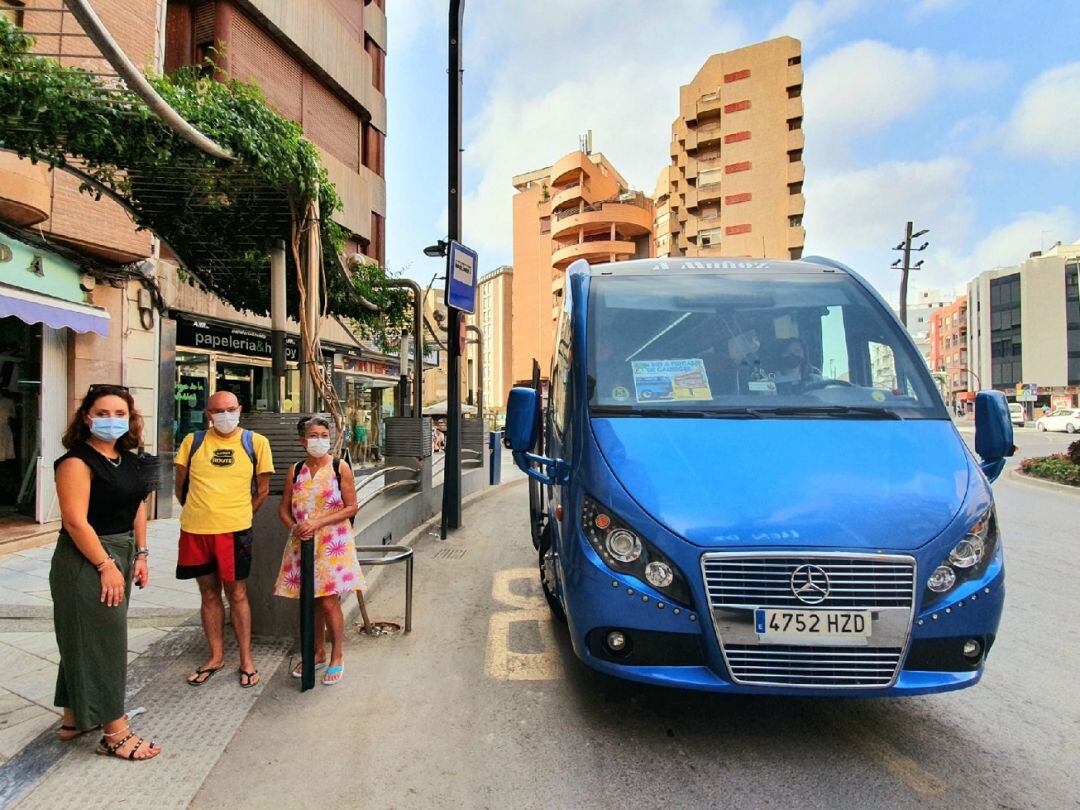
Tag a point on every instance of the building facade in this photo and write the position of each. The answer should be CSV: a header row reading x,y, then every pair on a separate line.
x,y
922,305
734,186
495,317
580,207
320,63
948,352
1024,326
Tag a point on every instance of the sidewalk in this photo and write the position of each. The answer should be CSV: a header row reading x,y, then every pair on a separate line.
x,y
28,653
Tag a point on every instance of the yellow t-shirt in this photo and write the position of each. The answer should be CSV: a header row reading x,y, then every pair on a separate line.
x,y
219,486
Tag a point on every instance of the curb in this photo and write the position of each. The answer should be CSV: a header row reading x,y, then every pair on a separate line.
x,y
1042,482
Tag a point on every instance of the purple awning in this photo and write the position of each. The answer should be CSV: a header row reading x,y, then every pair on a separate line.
x,y
32,307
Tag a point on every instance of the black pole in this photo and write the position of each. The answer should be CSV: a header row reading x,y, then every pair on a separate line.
x,y
451,512
307,615
906,270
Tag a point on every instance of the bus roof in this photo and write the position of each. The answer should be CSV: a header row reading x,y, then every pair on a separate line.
x,y
639,267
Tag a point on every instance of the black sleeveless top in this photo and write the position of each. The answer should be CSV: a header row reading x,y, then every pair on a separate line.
x,y
115,490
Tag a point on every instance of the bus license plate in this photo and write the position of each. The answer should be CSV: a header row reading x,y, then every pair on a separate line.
x,y
774,624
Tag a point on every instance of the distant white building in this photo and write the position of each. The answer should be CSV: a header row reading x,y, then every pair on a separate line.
x,y
1024,325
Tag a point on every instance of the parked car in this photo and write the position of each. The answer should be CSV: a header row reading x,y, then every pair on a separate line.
x,y
830,536
1016,413
1067,419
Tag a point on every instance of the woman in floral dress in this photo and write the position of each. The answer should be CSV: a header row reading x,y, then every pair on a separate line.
x,y
317,506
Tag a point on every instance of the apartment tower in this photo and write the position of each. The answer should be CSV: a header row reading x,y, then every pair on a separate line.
x,y
580,207
734,186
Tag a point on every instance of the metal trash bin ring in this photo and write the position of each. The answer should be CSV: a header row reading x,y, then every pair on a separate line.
x,y
388,556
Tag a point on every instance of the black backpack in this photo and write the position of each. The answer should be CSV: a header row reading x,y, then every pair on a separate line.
x,y
246,440
337,470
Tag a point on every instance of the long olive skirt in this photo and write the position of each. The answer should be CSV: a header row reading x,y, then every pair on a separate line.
x,y
91,636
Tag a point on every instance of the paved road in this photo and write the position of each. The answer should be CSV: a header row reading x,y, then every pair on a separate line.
x,y
485,706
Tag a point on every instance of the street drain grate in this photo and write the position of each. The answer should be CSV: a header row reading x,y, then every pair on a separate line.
x,y
450,553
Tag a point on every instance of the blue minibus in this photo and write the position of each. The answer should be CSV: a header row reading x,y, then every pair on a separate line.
x,y
797,514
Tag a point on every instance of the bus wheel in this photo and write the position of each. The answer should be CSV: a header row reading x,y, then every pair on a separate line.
x,y
547,577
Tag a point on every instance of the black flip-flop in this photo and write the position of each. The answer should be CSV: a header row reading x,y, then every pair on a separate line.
x,y
249,676
208,672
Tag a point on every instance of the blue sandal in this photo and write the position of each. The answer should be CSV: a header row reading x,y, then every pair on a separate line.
x,y
330,672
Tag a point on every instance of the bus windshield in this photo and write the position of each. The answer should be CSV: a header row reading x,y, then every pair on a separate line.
x,y
743,345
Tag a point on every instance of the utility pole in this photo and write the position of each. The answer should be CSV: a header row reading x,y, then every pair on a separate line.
x,y
906,268
451,511
312,277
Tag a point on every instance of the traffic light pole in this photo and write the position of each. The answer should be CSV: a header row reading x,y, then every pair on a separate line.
x,y
451,505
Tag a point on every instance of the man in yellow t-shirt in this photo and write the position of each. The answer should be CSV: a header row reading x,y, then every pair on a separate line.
x,y
222,478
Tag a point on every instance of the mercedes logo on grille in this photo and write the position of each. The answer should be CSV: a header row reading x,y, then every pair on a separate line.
x,y
810,584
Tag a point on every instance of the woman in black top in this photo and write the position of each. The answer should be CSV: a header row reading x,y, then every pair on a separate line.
x,y
102,488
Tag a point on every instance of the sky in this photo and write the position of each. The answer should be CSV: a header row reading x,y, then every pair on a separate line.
x,y
962,115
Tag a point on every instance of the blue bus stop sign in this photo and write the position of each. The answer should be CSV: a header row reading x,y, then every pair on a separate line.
x,y
461,265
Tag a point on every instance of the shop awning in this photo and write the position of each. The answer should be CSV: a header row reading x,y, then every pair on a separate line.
x,y
56,313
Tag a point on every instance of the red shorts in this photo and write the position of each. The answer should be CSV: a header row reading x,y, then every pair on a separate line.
x,y
228,555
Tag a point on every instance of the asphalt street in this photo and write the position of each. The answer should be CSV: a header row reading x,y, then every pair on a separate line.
x,y
484,704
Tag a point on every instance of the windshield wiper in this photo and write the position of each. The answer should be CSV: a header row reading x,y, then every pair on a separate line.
x,y
856,411
677,413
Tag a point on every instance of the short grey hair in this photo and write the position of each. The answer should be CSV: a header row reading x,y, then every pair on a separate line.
x,y
307,421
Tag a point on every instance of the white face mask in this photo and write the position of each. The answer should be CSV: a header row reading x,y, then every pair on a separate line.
x,y
225,422
317,448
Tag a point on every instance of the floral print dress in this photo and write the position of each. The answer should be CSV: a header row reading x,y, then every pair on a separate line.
x,y
336,568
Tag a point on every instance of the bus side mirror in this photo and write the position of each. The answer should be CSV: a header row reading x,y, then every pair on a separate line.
x,y
993,432
522,419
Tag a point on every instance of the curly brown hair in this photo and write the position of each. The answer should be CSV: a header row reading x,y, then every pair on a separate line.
x,y
78,431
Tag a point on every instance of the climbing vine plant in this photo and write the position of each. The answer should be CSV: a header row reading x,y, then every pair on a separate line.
x,y
222,219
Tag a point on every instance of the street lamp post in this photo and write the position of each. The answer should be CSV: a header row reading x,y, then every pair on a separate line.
x,y
906,268
451,505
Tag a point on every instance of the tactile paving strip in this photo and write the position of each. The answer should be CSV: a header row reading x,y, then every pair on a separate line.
x,y
192,724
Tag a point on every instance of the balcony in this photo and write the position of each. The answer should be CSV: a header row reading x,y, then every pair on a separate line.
x,y
709,104
558,283
631,218
708,193
796,236
796,204
25,191
796,172
794,108
570,168
569,194
709,134
690,143
794,75
594,251
795,139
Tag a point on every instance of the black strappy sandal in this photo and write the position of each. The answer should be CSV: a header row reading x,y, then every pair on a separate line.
x,y
107,750
246,678
193,679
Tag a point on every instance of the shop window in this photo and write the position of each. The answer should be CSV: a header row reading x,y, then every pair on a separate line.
x,y
20,414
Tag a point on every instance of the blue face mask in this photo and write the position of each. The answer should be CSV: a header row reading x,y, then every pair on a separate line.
x,y
108,428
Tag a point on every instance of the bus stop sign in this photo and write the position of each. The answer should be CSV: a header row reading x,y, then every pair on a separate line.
x,y
461,265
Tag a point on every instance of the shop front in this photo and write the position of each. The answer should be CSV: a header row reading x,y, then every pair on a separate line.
x,y
218,356
368,390
41,301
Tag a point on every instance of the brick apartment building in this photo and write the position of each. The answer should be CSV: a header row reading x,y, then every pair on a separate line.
x,y
734,186
948,351
320,63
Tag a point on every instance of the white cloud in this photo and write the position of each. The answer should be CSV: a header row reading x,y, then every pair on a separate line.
x,y
577,66
810,20
1046,120
925,8
862,88
1010,243
857,216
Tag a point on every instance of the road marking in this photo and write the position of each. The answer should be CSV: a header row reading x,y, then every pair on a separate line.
x,y
501,662
899,765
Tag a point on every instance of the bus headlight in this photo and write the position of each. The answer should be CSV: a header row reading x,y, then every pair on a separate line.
x,y
624,550
966,560
623,545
